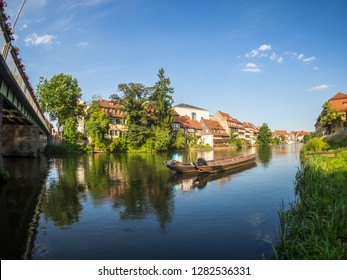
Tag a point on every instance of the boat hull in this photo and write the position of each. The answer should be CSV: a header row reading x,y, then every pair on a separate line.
x,y
182,168
212,166
227,164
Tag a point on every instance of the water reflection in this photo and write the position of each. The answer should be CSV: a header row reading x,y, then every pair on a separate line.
x,y
189,181
126,206
265,155
19,201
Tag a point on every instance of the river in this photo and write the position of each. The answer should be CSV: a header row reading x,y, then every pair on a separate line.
x,y
130,206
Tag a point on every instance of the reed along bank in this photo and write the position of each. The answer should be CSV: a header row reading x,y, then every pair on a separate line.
x,y
315,225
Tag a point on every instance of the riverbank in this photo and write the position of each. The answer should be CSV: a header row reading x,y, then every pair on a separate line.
x,y
315,225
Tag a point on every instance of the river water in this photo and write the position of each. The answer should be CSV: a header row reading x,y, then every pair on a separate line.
x,y
130,206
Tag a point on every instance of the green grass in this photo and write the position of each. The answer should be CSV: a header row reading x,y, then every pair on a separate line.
x,y
315,225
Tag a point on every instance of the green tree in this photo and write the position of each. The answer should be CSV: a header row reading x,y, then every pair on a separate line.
x,y
179,140
329,116
264,135
160,102
134,99
97,126
60,98
70,133
115,98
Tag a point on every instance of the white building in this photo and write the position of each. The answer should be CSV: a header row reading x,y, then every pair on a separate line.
x,y
195,113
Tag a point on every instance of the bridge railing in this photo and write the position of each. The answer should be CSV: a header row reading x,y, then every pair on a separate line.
x,y
18,72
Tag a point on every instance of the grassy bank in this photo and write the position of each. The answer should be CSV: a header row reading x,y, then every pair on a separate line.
x,y
315,225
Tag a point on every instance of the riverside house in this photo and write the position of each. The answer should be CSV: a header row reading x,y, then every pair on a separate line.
x,y
283,135
116,115
214,134
195,113
338,102
246,131
187,125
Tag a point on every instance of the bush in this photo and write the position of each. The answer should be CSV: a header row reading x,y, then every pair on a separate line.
x,y
63,149
118,145
315,145
238,143
338,140
179,141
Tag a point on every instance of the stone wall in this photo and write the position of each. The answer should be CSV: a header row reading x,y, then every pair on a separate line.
x,y
1,107
20,140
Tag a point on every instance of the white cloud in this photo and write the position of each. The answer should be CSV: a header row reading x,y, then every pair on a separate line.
x,y
276,57
263,51
24,26
259,52
37,40
309,59
251,67
320,87
252,53
300,56
264,48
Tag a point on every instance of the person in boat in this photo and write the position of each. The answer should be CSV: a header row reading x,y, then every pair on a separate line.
x,y
176,159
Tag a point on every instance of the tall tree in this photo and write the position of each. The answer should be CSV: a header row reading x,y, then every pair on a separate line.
x,y
134,98
160,102
264,135
60,97
97,126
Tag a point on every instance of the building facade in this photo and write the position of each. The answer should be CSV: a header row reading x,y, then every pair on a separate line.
x,y
117,118
213,133
194,113
338,102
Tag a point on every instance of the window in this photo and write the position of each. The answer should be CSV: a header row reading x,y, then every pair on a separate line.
x,y
193,116
345,103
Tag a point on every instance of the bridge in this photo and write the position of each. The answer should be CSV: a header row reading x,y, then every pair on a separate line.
x,y
24,130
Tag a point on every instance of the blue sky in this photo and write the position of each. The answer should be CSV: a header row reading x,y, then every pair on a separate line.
x,y
270,61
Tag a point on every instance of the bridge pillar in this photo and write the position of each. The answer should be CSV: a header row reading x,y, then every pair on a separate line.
x,y
1,107
20,140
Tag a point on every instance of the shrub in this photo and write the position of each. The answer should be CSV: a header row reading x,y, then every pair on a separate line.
x,y
118,145
62,149
315,145
338,140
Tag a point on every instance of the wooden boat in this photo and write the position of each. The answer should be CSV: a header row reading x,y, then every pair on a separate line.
x,y
226,164
210,166
189,181
180,167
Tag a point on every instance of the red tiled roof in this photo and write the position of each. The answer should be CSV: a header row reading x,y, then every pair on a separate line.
x,y
339,101
232,122
110,106
186,122
281,132
215,127
338,96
